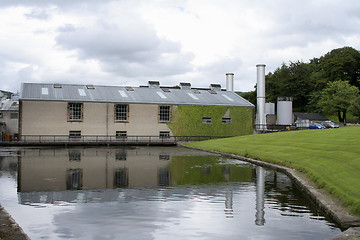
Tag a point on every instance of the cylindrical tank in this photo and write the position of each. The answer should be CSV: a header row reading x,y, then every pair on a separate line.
x,y
261,118
269,108
230,82
284,111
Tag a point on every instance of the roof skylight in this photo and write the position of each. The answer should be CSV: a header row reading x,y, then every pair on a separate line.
x,y
123,93
228,98
161,95
44,91
193,96
82,92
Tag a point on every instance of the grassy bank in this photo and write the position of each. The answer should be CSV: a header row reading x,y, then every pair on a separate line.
x,y
330,157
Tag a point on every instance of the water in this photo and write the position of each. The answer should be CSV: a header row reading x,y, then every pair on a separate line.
x,y
152,193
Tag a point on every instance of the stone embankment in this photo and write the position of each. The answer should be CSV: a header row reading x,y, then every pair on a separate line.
x,y
9,229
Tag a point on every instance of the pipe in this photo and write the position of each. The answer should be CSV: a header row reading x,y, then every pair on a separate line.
x,y
230,82
261,118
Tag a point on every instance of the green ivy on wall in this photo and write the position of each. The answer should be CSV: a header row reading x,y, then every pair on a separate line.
x,y
187,120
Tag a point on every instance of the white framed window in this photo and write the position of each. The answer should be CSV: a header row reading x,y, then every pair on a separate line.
x,y
164,134
74,179
121,113
121,134
226,120
121,177
164,113
206,120
74,134
75,112
75,155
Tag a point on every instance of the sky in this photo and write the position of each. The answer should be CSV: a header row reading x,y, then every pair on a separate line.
x,y
130,42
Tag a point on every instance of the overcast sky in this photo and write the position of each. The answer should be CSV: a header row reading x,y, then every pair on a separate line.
x,y
129,42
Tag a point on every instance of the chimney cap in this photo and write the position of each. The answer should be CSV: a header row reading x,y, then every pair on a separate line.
x,y
229,74
261,65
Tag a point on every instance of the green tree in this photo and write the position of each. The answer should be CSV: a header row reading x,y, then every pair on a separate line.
x,y
355,108
291,81
338,64
337,98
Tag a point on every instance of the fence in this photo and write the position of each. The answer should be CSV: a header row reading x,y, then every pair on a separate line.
x,y
97,139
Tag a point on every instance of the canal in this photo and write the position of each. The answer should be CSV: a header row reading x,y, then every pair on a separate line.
x,y
152,193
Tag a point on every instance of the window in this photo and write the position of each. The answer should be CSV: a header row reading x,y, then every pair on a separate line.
x,y
163,177
226,120
121,178
75,155
121,134
120,155
164,114
75,111
164,134
164,156
74,134
1,115
206,120
14,115
121,113
74,179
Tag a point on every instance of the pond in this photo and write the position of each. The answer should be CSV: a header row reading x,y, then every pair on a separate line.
x,y
152,193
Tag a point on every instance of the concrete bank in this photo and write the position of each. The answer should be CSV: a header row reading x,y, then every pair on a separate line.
x,y
9,229
322,199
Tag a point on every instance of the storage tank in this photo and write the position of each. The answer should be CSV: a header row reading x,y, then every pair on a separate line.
x,y
269,108
284,111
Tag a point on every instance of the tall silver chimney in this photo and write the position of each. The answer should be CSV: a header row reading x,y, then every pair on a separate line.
x,y
230,82
261,118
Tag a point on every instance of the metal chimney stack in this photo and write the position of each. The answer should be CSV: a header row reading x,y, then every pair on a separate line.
x,y
230,82
261,118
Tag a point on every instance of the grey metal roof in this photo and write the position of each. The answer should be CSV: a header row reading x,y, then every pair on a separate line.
x,y
122,94
310,116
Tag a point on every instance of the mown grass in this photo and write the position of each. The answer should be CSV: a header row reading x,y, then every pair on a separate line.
x,y
330,157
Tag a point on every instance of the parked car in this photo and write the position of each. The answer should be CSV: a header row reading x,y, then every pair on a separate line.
x,y
316,126
329,124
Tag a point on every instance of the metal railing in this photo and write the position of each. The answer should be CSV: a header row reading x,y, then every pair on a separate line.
x,y
271,127
56,139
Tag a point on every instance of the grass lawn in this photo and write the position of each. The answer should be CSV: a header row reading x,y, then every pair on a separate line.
x,y
330,157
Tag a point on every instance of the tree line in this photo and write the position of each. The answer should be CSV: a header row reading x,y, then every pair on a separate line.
x,y
328,85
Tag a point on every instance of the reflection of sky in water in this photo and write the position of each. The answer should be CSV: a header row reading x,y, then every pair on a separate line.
x,y
211,202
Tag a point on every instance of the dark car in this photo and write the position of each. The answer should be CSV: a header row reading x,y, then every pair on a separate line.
x,y
316,126
329,124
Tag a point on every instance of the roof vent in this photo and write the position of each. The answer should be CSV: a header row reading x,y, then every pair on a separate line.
x,y
195,91
154,84
90,86
57,85
186,86
165,89
215,87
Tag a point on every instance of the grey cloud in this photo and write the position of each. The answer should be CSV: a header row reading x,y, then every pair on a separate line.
x,y
41,3
67,28
129,50
38,13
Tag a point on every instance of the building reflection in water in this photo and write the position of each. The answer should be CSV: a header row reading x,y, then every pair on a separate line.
x,y
49,173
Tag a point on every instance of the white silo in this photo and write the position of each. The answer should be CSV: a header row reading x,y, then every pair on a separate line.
x,y
284,111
